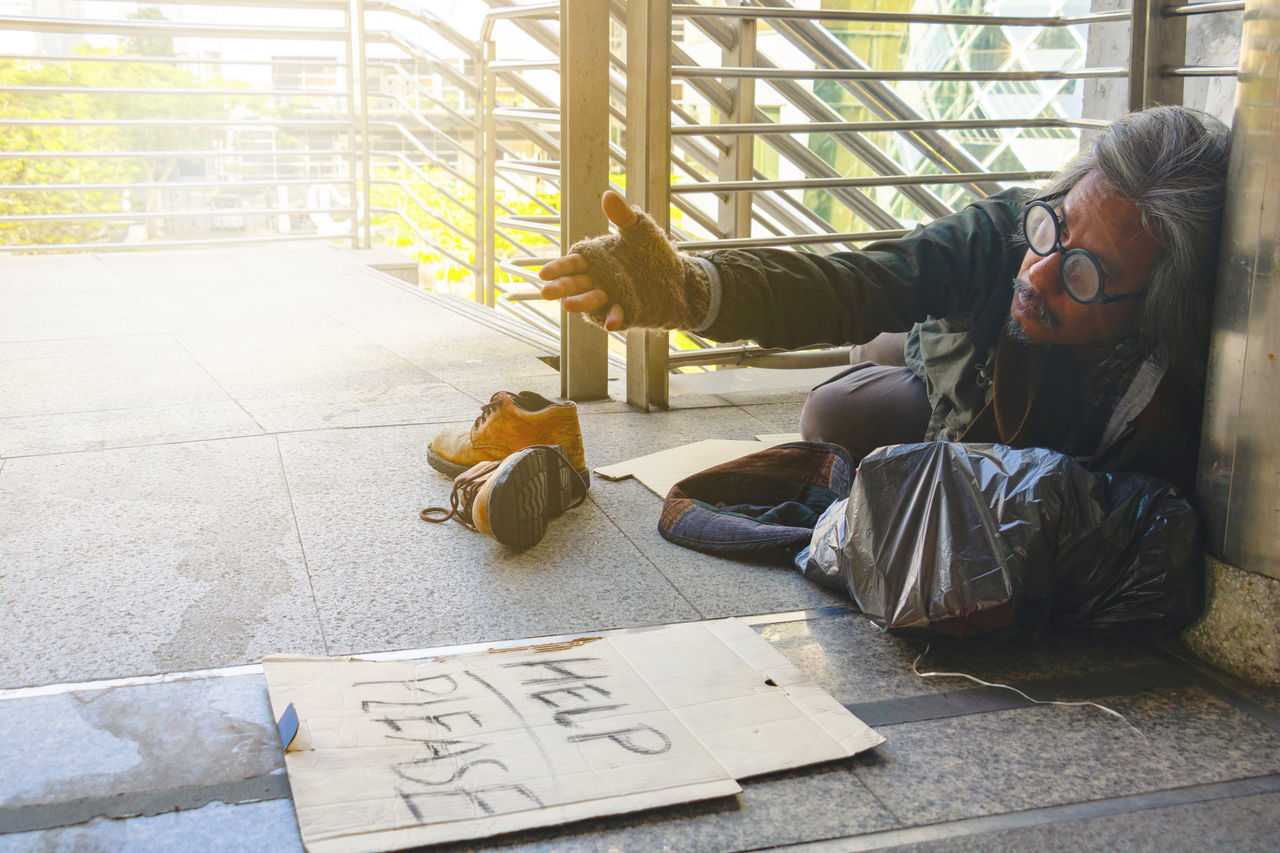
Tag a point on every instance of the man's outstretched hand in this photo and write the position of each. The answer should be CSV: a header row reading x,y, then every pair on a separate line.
x,y
569,278
635,279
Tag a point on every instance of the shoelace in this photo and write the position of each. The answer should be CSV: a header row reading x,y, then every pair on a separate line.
x,y
461,497
468,483
487,409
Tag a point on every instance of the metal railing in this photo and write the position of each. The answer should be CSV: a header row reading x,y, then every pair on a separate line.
x,y
743,67
736,125
182,155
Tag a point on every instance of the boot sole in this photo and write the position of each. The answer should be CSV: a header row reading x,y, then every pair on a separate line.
x,y
445,466
528,493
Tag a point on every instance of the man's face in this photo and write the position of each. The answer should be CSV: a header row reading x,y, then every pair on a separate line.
x,y
1096,217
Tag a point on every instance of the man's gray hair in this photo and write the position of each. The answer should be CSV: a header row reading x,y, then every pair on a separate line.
x,y
1172,163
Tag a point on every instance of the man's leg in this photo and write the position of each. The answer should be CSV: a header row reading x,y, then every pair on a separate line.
x,y
884,348
865,407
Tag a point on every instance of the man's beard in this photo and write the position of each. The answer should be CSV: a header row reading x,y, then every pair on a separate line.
x,y
1042,313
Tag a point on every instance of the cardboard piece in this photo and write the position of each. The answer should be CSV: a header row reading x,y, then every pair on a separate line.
x,y
779,437
398,754
662,470
750,706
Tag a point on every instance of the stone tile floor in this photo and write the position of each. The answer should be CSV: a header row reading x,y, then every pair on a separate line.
x,y
210,456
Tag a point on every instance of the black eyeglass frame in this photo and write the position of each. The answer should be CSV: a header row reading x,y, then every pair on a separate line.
x,y
1101,297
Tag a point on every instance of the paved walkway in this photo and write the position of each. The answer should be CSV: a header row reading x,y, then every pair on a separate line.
x,y
207,457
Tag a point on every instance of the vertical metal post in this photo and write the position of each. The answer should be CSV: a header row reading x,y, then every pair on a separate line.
x,y
478,143
353,166
486,191
584,164
361,76
1240,450
735,208
1155,41
648,173
1237,487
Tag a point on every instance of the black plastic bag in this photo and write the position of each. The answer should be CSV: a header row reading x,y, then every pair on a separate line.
x,y
963,539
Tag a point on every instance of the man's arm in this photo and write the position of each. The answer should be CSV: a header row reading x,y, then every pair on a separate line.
x,y
786,298
789,299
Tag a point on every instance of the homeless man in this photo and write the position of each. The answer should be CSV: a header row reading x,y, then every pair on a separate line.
x,y
1073,317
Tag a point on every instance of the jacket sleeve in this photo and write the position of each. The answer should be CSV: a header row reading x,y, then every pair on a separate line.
x,y
790,299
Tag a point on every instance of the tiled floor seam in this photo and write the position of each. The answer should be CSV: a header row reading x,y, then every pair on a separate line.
x,y
64,338
1219,684
481,316
364,268
1044,816
106,270
255,669
302,548
636,547
746,410
386,278
639,550
178,340
229,437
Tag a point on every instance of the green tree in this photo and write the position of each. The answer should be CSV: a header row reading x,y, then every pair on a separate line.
x,y
148,45
150,148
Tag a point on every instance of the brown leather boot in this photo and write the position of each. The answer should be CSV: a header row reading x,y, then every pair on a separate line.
x,y
507,423
513,500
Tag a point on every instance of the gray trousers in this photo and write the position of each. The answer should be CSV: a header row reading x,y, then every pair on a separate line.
x,y
867,406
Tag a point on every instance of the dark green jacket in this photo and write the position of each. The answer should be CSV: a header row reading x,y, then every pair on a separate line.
x,y
950,285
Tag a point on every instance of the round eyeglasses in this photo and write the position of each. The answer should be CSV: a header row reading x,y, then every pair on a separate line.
x,y
1080,271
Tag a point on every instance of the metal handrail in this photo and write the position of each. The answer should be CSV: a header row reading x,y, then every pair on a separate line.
x,y
426,179
178,244
158,90
687,145
161,122
873,17
165,28
759,128
162,214
165,185
427,18
1198,71
453,113
408,136
397,40
426,238
180,152
930,143
289,161
426,209
1203,8
417,116
165,60
538,12
830,183
336,5
692,71
743,355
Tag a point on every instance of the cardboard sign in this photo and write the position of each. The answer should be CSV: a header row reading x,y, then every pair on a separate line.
x,y
398,754
662,470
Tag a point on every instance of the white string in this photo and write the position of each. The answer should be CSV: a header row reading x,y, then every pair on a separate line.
x,y
976,680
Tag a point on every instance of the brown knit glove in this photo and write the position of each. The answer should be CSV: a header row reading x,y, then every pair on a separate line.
x,y
641,270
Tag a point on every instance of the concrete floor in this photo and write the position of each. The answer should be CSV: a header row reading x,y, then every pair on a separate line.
x,y
210,456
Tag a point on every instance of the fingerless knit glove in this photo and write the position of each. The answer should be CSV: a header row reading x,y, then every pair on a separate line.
x,y
641,270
